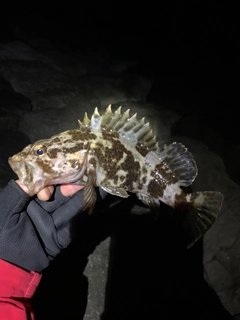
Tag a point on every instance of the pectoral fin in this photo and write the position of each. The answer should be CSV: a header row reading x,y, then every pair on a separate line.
x,y
90,196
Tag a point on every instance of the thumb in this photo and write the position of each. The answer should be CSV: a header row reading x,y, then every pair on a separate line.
x,y
66,190
45,193
70,189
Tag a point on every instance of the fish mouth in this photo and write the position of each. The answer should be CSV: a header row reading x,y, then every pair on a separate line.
x,y
31,175
17,165
24,171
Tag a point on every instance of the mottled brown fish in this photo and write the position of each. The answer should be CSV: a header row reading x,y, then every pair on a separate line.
x,y
119,153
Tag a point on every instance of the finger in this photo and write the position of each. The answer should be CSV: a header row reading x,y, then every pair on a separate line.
x,y
25,189
70,189
45,193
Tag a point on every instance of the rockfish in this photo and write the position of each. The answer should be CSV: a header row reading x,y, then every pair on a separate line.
x,y
118,153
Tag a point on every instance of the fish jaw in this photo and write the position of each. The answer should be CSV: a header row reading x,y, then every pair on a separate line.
x,y
24,171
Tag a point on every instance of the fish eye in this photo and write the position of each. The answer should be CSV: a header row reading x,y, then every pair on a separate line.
x,y
39,149
39,152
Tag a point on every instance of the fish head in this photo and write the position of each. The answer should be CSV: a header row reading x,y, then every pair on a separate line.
x,y
57,160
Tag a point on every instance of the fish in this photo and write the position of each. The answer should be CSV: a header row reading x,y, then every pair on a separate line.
x,y
119,154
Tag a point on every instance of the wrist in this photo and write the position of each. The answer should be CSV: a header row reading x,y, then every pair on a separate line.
x,y
17,282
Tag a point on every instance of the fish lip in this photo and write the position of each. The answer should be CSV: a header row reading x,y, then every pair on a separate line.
x,y
14,159
23,169
17,165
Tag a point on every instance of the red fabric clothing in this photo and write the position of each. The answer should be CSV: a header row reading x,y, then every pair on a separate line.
x,y
17,287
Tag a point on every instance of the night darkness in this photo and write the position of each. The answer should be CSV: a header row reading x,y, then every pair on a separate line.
x,y
190,51
190,48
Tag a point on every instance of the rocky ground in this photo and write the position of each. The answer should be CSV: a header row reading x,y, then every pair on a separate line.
x,y
124,264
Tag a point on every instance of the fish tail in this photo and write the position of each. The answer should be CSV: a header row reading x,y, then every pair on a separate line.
x,y
200,210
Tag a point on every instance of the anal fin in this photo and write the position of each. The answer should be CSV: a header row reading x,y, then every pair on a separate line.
x,y
148,201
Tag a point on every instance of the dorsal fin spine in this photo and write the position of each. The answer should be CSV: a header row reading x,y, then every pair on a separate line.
x,y
86,120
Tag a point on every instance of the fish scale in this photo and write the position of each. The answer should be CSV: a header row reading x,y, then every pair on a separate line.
x,y
119,153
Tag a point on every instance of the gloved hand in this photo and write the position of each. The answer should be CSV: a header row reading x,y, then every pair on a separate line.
x,y
33,232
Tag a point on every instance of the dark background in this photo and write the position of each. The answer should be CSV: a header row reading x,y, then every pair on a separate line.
x,y
190,50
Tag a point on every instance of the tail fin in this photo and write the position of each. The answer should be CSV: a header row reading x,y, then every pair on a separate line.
x,y
199,213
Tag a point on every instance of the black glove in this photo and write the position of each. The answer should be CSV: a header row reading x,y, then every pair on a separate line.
x,y
33,232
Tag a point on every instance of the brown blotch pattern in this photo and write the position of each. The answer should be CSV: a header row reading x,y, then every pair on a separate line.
x,y
180,202
141,150
44,165
93,162
161,178
76,148
56,140
52,153
154,189
166,176
142,182
110,135
83,134
109,159
144,179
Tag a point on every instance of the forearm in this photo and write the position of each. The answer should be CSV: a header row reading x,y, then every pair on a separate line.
x,y
17,287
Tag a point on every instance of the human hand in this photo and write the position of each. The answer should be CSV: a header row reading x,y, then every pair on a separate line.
x,y
33,230
46,193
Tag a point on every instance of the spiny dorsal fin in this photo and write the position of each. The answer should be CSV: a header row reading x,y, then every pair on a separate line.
x,y
86,121
127,127
180,161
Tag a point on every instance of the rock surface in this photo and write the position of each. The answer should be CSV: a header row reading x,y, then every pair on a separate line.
x,y
44,93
